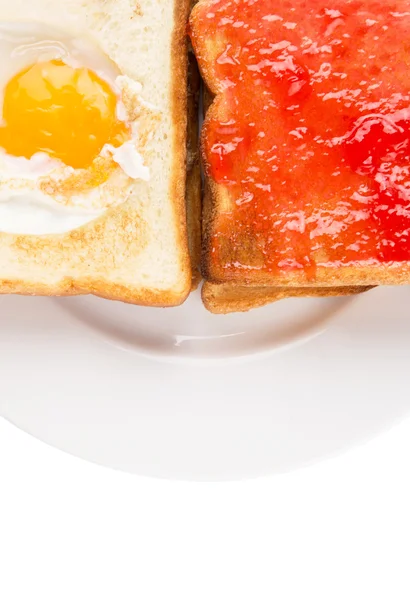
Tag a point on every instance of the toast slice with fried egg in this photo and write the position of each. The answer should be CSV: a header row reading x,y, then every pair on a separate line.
x,y
93,149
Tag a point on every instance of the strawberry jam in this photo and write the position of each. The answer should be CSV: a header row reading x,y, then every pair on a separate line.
x,y
310,131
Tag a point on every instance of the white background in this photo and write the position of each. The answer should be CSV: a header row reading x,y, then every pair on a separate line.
x,y
73,530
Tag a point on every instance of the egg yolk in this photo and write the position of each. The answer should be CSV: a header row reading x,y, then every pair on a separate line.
x,y
68,113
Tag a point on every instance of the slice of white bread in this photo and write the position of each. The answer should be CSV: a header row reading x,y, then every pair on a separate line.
x,y
138,251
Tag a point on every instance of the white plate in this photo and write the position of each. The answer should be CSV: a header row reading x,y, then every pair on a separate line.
x,y
185,394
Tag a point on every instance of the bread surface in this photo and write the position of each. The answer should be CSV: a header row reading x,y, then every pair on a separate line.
x,y
136,252
227,298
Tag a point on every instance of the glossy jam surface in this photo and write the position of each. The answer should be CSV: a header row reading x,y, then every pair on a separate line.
x,y
311,131
68,113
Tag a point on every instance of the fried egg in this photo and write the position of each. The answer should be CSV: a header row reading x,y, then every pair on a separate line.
x,y
71,130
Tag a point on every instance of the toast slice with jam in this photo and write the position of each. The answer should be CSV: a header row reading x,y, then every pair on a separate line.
x,y
306,146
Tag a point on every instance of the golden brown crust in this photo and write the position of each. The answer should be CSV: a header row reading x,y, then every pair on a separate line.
x,y
179,67
224,298
109,291
99,245
387,274
228,298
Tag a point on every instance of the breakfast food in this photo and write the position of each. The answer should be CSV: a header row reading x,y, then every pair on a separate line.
x,y
92,149
224,298
307,145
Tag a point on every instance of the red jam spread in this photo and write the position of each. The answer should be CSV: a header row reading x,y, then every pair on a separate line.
x,y
312,135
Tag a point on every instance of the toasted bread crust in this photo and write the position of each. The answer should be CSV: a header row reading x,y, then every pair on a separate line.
x,y
224,298
228,298
387,274
103,241
179,102
193,175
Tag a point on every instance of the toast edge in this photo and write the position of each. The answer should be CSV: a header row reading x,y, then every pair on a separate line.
x,y
229,298
193,175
